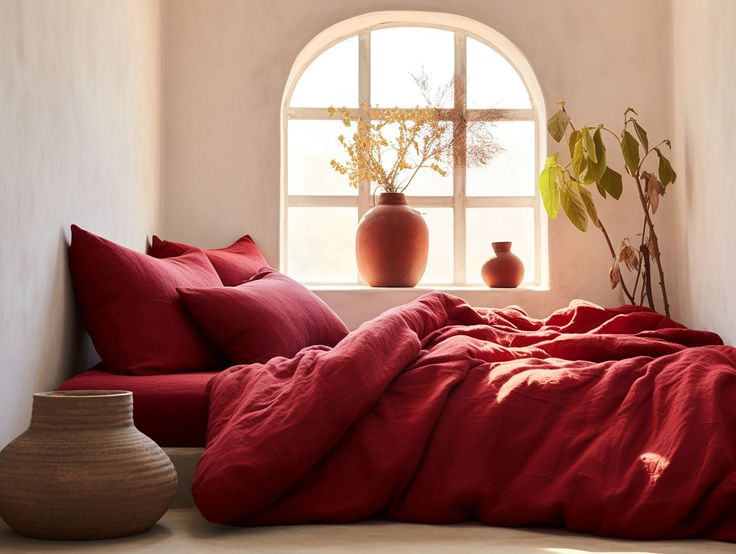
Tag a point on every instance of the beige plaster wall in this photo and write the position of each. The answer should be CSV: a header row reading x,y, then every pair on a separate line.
x,y
226,63
79,136
701,206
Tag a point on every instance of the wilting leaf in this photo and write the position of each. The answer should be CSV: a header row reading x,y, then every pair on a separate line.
x,y
588,145
630,109
630,151
653,201
548,187
572,203
628,255
611,181
666,174
653,246
572,141
654,188
614,274
557,124
642,134
590,206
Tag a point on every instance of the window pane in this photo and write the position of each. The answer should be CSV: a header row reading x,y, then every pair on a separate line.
x,y
312,144
492,80
487,225
398,53
322,245
331,79
510,173
439,263
426,182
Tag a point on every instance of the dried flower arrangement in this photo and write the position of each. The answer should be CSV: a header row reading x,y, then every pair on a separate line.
x,y
390,146
567,185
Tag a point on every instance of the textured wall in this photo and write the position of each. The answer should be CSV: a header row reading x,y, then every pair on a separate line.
x,y
701,206
226,63
79,136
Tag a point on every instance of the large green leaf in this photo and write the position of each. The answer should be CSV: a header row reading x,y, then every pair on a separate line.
x,y
599,167
548,187
612,183
587,169
573,204
588,145
642,134
630,151
572,141
667,175
589,206
557,124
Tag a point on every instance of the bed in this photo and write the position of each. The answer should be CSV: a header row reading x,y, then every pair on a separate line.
x,y
612,421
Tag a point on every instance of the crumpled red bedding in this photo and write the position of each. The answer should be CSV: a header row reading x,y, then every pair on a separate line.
x,y
617,422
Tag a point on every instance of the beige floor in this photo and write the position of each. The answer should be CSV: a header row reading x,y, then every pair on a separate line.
x,y
184,531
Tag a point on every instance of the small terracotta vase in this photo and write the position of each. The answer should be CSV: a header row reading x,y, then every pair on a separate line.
x,y
392,243
505,270
83,471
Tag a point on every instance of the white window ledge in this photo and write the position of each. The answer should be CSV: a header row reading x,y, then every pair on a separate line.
x,y
358,303
450,289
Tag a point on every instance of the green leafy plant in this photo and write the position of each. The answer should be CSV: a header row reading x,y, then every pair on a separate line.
x,y
568,186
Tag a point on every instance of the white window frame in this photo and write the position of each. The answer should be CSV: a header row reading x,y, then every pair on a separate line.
x,y
459,201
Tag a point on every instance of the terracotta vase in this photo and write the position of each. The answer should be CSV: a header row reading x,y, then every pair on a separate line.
x,y
392,243
505,270
83,471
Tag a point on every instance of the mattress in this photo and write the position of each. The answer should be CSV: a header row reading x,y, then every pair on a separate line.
x,y
171,409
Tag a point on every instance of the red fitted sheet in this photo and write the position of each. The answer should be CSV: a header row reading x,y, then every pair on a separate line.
x,y
171,409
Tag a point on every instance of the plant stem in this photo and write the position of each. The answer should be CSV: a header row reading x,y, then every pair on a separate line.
x,y
647,276
614,135
658,256
641,246
630,297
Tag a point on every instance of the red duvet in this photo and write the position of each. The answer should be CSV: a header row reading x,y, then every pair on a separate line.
x,y
610,421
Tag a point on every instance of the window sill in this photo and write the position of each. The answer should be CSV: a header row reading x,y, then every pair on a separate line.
x,y
357,303
450,289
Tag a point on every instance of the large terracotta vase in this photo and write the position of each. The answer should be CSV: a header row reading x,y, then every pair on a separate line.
x,y
83,471
392,243
505,270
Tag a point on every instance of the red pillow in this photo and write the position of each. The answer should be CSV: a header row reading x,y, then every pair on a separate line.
x,y
132,311
234,264
270,315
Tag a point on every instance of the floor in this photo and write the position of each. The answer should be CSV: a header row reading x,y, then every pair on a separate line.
x,y
184,531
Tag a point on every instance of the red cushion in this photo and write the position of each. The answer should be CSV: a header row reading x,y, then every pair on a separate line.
x,y
234,264
131,308
171,409
270,315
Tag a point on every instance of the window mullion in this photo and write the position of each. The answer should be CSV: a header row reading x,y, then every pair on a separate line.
x,y
364,97
459,168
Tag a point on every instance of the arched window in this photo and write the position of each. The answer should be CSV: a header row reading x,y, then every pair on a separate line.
x,y
371,59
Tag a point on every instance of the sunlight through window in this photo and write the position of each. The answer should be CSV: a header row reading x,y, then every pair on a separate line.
x,y
466,210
